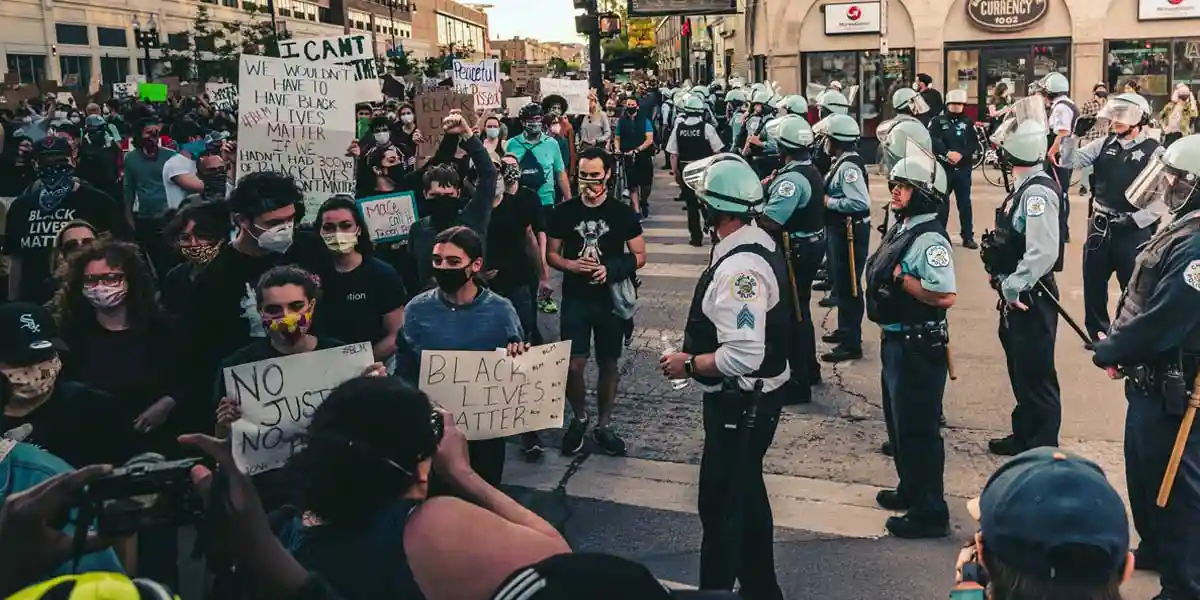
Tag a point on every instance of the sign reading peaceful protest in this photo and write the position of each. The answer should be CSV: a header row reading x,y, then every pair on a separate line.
x,y
278,397
223,96
494,395
481,78
297,118
575,92
353,51
389,216
431,108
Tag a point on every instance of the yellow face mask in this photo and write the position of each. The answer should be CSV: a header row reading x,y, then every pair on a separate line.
x,y
290,325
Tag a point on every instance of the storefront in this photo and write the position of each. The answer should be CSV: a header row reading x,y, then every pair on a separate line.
x,y
1162,56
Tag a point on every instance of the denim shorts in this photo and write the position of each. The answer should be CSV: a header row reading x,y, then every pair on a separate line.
x,y
581,319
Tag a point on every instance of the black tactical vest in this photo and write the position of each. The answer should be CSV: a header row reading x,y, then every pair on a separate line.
x,y
853,158
756,130
1003,248
700,334
811,218
691,142
887,304
1117,167
1148,271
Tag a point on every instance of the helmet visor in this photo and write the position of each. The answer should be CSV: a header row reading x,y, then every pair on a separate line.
x,y
883,129
1119,111
1027,113
918,105
851,94
822,126
695,174
920,167
1161,187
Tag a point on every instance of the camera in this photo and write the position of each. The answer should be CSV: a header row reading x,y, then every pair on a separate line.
x,y
146,492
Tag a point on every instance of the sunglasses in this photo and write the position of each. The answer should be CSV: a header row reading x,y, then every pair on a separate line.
x,y
109,279
73,245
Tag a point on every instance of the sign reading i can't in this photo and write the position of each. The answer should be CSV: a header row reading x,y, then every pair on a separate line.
x,y
1006,15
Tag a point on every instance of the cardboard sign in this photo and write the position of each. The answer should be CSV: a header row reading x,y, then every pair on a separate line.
x,y
66,98
125,90
513,105
481,78
152,92
575,92
431,108
494,395
298,118
223,96
278,397
389,217
523,75
353,51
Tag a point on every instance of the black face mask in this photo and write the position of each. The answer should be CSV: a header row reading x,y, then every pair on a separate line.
x,y
443,209
451,280
630,111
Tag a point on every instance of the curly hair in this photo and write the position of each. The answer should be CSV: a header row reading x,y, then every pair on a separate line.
x,y
72,311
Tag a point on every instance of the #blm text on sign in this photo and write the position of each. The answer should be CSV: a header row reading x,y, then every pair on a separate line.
x,y
389,217
481,78
494,395
353,51
298,119
278,397
431,108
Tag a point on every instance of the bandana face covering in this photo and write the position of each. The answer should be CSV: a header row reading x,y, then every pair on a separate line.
x,y
290,326
512,173
33,381
201,254
57,181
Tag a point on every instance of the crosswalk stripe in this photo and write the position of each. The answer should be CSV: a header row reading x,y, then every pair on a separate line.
x,y
673,270
667,218
687,249
679,232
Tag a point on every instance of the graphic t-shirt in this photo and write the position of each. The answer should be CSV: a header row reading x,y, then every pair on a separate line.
x,y
599,232
353,304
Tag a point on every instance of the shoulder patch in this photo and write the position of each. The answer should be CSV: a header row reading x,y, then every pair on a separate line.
x,y
1191,275
787,189
937,256
745,287
850,175
745,318
1035,206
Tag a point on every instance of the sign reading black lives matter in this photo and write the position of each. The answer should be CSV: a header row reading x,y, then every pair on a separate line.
x,y
655,8
278,397
353,51
1006,15
297,118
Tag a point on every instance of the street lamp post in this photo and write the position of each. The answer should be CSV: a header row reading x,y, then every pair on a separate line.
x,y
146,39
408,6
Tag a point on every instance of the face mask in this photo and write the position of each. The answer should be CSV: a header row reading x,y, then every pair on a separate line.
x,y
451,280
630,111
33,381
408,118
1101,94
443,210
57,181
391,116
396,172
555,129
591,188
342,242
512,173
150,145
290,327
533,129
201,254
277,239
492,132
105,111
555,112
382,137
105,296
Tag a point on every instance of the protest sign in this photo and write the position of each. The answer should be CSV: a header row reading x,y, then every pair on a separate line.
x,y
223,96
65,98
481,78
298,119
389,216
278,397
152,92
492,394
513,105
524,75
431,108
353,51
575,92
125,90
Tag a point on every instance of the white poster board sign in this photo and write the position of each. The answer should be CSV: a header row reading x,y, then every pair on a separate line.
x,y
494,395
353,51
479,77
223,96
513,105
389,217
575,92
278,397
125,90
298,119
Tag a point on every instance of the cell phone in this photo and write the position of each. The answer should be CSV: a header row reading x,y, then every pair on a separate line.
x,y
145,493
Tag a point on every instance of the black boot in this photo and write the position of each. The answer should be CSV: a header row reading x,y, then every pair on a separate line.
x,y
1006,446
892,500
842,354
886,449
832,337
913,528
827,302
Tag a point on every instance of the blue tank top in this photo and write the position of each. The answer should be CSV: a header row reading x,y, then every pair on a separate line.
x,y
361,562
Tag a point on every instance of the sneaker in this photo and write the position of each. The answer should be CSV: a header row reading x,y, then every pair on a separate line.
x,y
628,332
531,445
609,441
912,528
548,306
970,244
832,337
572,441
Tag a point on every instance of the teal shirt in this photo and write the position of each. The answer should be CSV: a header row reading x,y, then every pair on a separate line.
x,y
788,193
847,190
929,259
1036,216
736,123
548,154
144,182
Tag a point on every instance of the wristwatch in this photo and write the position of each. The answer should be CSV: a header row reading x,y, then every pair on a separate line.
x,y
689,367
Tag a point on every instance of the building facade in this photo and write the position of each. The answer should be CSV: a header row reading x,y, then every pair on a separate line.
x,y
447,26
525,49
669,48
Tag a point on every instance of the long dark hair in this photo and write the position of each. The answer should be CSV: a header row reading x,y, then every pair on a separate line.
x,y
73,311
346,202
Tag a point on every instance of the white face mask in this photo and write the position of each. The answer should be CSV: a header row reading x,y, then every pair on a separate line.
x,y
105,296
382,137
408,118
277,239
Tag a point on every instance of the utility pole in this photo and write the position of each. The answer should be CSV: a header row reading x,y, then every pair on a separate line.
x,y
589,24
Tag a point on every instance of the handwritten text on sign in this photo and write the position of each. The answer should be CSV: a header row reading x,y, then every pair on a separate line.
x,y
353,51
431,108
492,394
278,397
389,217
223,96
481,78
298,119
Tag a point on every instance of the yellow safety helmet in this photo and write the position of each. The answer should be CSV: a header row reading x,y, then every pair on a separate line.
x,y
95,586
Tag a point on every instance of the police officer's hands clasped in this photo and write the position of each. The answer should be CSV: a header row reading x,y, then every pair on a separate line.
x,y
1112,372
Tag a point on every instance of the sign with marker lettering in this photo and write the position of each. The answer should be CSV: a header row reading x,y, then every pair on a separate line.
x,y
353,51
389,216
278,397
298,118
223,96
431,108
575,93
495,395
481,78
125,90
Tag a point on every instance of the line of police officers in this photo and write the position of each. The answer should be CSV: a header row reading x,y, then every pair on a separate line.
x,y
749,340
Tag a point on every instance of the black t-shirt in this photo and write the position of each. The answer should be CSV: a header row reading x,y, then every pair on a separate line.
x,y
507,248
81,425
30,232
14,178
353,304
597,231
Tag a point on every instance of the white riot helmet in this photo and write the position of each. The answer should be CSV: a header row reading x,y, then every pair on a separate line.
x,y
1024,133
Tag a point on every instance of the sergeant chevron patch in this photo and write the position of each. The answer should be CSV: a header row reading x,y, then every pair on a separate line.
x,y
745,318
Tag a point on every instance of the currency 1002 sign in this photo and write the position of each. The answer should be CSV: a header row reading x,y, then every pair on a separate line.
x,y
654,8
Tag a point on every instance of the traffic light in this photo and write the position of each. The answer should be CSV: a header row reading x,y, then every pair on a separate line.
x,y
586,24
610,25
588,5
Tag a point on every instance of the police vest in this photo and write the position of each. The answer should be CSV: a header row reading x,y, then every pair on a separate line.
x,y
691,142
1074,117
1117,167
755,126
700,334
1003,248
886,303
853,158
1147,272
811,218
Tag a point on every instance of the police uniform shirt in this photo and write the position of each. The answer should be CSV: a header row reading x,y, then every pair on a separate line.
x,y
1077,158
1036,216
1062,117
788,193
743,289
848,191
928,259
710,133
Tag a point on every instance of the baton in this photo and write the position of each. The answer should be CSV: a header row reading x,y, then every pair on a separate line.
x,y
850,253
787,257
1181,439
1063,313
950,363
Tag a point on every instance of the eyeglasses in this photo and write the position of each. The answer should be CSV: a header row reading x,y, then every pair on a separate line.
x,y
109,279
73,245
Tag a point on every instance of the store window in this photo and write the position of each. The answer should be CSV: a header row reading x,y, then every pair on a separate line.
x,y
1186,65
1156,65
29,68
877,76
76,71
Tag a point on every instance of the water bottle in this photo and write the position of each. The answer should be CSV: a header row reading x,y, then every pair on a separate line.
x,y
668,348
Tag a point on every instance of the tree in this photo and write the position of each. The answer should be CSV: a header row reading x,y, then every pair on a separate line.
x,y
557,65
506,66
402,64
185,54
618,48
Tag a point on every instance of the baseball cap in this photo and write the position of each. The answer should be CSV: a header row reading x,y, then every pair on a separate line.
x,y
28,334
591,576
1045,500
52,145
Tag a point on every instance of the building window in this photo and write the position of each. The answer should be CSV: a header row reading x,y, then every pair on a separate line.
x,y
1148,62
29,68
205,44
71,34
209,1
229,3
108,36
1186,65
76,71
877,75
323,14
113,70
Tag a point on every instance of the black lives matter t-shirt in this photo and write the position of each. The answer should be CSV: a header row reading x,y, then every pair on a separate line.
x,y
600,232
353,304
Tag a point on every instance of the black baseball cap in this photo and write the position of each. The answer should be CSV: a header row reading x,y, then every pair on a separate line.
x,y
591,576
52,145
1045,500
28,335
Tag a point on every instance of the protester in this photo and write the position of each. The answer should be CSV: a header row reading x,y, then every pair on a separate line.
x,y
492,138
71,239
596,130
180,174
633,138
146,201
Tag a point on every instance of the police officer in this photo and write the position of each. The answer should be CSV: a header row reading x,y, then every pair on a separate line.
x,y
735,117
796,218
760,113
909,104
909,287
1063,114
897,136
848,224
1115,227
955,143
1155,339
832,102
1021,255
691,140
735,347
